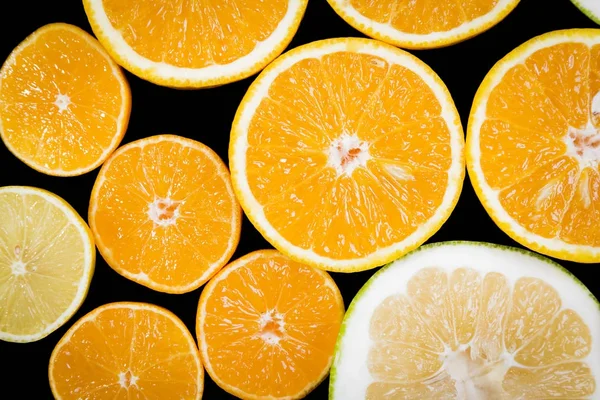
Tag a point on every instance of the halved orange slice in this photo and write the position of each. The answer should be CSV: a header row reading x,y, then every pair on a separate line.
x,y
347,153
64,103
533,144
164,214
122,351
423,24
267,326
194,44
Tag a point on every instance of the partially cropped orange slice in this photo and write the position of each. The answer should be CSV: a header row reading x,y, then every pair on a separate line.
x,y
123,351
347,153
423,24
534,144
194,43
64,103
267,326
163,213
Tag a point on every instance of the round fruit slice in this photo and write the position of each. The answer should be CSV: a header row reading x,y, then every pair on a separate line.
x,y
533,144
164,214
64,103
591,8
347,153
194,44
47,259
267,326
466,320
423,24
126,351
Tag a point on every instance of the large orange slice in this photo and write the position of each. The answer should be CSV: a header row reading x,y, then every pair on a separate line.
x,y
164,214
469,321
423,24
64,103
534,144
123,351
194,44
347,153
267,326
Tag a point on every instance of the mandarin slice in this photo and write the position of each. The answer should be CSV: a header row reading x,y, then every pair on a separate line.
x,y
267,326
127,351
465,320
347,153
164,214
64,103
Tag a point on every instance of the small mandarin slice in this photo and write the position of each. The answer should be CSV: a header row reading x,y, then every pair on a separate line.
x,y
64,103
164,214
123,351
267,326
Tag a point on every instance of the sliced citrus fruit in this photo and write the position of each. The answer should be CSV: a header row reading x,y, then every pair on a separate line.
x,y
591,8
47,259
533,144
423,24
64,103
267,326
347,153
122,351
194,44
164,214
466,320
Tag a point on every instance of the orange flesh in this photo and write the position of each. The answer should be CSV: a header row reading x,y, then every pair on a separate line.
x,y
270,326
60,101
386,109
539,143
187,191
448,323
195,34
423,16
126,353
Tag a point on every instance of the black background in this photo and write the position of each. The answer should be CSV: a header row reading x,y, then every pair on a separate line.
x,y
206,116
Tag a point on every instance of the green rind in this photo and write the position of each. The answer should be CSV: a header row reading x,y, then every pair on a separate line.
x,y
584,10
367,285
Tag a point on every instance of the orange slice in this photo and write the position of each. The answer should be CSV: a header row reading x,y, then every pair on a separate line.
x,y
533,144
194,44
464,320
122,351
64,103
347,153
267,326
423,24
164,214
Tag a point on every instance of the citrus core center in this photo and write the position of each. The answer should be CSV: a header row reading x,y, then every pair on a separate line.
x,y
62,102
347,153
584,144
271,327
127,379
164,212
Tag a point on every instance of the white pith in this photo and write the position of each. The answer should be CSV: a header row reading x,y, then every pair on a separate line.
x,y
339,157
263,50
121,378
158,209
387,30
350,374
259,90
62,101
20,267
478,116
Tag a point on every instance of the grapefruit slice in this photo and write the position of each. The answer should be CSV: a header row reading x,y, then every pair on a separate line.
x,y
267,326
347,153
423,24
123,351
591,8
47,259
64,103
464,320
533,144
194,44
164,214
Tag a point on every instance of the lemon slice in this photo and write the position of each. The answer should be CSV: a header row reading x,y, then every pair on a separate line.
x,y
465,320
47,261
